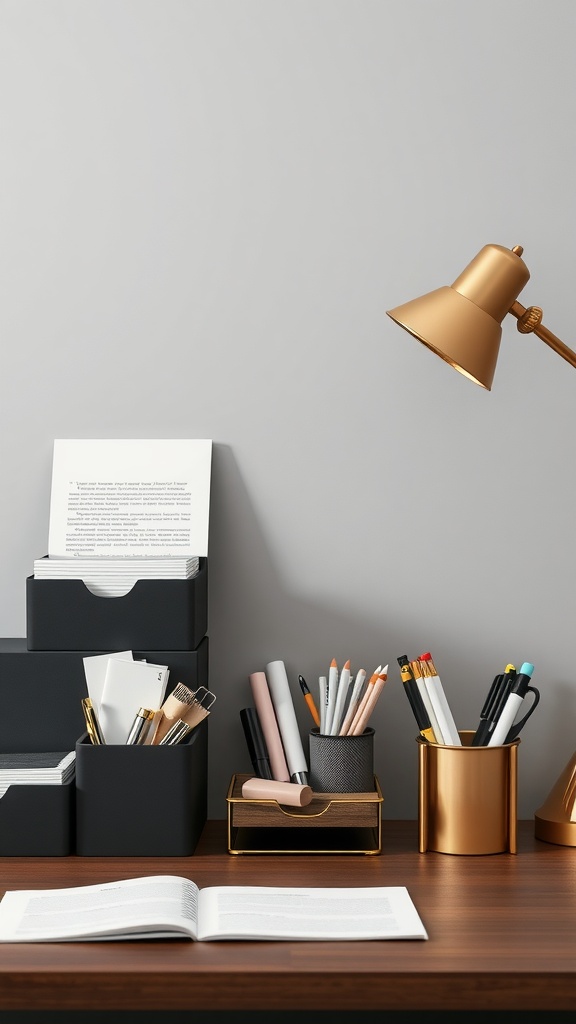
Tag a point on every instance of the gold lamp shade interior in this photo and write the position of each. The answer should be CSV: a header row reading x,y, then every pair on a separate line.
x,y
462,323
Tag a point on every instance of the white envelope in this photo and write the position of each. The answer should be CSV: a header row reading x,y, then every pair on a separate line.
x,y
95,666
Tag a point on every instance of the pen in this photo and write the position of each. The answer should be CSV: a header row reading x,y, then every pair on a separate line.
x,y
92,723
450,734
515,728
493,705
518,691
416,702
417,671
140,726
309,699
354,702
498,704
341,694
331,695
323,691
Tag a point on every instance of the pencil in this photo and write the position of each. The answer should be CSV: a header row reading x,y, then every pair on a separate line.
x,y
309,700
354,701
363,701
331,694
370,704
341,694
323,692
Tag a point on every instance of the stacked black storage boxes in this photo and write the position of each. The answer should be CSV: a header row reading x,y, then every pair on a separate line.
x,y
125,800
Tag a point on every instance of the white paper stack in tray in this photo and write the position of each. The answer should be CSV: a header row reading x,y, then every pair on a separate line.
x,y
113,577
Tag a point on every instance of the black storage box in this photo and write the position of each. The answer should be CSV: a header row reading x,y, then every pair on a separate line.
x,y
40,710
41,691
37,821
168,615
141,801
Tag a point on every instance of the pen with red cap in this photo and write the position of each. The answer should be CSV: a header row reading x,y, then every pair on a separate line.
x,y
444,716
415,700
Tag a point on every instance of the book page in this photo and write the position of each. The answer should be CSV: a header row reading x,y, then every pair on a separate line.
x,y
130,498
263,912
161,906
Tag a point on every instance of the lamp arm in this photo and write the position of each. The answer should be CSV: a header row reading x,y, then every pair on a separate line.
x,y
530,320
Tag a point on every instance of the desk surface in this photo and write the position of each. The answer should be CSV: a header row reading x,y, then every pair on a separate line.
x,y
502,935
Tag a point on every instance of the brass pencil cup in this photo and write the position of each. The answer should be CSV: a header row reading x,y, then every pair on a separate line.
x,y
467,797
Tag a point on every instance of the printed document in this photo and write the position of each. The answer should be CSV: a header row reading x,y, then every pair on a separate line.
x,y
130,498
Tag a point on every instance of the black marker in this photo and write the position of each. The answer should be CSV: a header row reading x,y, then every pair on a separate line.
x,y
417,704
256,743
493,705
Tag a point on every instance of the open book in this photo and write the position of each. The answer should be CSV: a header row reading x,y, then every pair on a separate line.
x,y
168,906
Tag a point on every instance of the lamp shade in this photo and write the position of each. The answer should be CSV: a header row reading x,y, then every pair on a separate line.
x,y
462,323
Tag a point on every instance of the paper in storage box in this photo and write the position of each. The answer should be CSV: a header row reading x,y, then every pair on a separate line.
x,y
124,499
130,498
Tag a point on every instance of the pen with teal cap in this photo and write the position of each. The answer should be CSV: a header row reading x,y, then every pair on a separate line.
x,y
506,729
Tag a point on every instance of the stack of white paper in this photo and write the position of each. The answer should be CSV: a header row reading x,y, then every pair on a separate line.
x,y
113,577
36,769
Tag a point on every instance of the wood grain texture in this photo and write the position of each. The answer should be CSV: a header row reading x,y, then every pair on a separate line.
x,y
502,935
326,810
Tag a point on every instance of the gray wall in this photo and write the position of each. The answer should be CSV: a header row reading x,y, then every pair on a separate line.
x,y
207,207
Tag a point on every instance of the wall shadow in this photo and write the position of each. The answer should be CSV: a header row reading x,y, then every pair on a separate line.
x,y
254,618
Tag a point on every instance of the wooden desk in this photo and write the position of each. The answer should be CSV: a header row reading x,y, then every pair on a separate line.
x,y
502,935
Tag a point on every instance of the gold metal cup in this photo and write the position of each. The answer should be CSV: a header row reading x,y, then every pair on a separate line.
x,y
467,797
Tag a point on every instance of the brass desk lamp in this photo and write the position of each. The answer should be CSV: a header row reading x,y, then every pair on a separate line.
x,y
462,324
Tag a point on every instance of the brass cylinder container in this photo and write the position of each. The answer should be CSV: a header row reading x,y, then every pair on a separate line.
x,y
467,797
